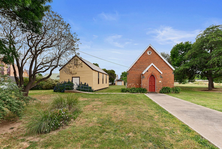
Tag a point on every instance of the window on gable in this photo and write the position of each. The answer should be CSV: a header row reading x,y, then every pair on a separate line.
x,y
75,61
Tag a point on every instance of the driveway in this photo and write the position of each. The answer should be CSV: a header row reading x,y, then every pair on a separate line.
x,y
205,121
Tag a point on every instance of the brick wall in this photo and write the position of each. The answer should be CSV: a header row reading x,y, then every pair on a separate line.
x,y
136,79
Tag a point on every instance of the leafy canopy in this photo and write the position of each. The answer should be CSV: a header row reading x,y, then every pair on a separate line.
x,y
124,76
28,13
206,53
183,70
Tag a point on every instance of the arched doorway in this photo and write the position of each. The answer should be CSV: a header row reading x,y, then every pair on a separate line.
x,y
152,83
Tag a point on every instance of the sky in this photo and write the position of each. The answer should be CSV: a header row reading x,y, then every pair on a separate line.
x,y
120,30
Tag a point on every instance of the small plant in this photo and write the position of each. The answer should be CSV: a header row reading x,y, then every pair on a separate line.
x,y
58,103
72,102
48,121
166,90
62,110
176,89
61,87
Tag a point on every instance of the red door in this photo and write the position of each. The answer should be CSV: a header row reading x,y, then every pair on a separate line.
x,y
152,84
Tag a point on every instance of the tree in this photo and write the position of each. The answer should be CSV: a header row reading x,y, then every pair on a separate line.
x,y
112,75
166,56
183,70
27,13
124,77
41,52
206,54
96,64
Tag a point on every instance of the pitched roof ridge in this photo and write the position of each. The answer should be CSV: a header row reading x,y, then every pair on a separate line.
x,y
156,53
89,64
152,64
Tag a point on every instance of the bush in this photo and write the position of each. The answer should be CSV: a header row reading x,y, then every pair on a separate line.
x,y
62,110
12,99
43,85
165,90
84,87
134,90
61,87
176,89
124,90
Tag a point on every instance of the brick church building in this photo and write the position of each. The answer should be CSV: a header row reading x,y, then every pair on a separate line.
x,y
150,71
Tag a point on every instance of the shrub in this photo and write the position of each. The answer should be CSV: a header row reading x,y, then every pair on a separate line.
x,y
142,90
43,85
165,90
61,112
124,90
61,87
176,89
84,87
133,90
12,99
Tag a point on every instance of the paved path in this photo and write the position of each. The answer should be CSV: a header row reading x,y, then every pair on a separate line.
x,y
205,121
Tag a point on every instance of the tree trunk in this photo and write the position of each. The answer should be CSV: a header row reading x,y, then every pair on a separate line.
x,y
27,88
210,83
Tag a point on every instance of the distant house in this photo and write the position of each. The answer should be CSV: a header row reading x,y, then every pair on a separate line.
x,y
150,71
54,76
119,82
8,70
80,70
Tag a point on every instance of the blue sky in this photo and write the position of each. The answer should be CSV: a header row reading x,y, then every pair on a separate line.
x,y
120,30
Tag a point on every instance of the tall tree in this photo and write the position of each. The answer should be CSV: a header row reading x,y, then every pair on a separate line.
x,y
96,64
124,77
112,75
166,56
40,52
206,54
183,70
27,13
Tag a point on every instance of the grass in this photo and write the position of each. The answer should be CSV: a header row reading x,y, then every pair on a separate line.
x,y
198,94
109,121
112,89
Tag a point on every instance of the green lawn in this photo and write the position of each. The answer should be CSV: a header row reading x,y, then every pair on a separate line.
x,y
198,94
112,89
108,121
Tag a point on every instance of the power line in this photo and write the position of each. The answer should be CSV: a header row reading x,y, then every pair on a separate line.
x,y
103,59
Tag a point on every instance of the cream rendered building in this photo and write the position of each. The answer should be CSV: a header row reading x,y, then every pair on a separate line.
x,y
80,70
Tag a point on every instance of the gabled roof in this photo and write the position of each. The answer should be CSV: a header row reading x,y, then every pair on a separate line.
x,y
153,66
54,76
156,53
90,65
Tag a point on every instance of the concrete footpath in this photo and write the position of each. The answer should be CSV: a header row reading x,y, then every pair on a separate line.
x,y
205,121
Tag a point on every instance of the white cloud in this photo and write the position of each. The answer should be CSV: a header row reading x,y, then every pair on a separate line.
x,y
95,36
109,16
116,40
168,35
